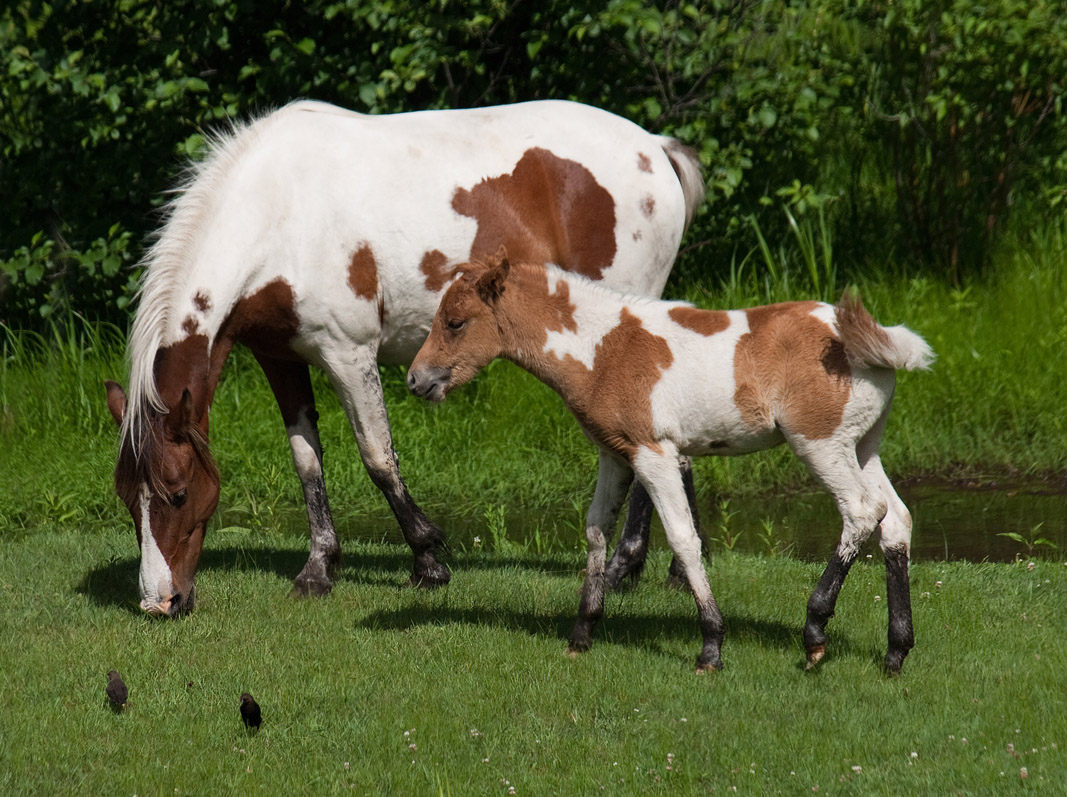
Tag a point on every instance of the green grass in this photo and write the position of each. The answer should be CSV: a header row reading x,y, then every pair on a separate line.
x,y
476,678
991,406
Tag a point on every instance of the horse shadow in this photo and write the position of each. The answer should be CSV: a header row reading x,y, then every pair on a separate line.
x,y
114,584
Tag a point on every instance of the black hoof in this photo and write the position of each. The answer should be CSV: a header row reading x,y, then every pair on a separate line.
x,y
894,660
311,588
433,579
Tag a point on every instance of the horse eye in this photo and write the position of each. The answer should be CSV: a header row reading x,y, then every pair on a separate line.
x,y
178,498
456,324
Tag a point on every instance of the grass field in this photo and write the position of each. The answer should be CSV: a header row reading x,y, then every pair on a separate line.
x,y
468,690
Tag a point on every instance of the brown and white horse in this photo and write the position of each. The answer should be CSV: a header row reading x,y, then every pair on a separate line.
x,y
652,380
318,235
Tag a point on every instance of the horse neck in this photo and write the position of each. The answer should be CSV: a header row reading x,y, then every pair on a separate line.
x,y
537,304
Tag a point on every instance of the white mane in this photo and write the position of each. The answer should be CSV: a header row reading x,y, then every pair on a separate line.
x,y
165,264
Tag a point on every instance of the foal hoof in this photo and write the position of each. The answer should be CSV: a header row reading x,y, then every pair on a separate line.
x,y
703,668
434,580
815,655
310,588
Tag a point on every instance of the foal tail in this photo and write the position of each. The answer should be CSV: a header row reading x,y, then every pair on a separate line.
x,y
870,345
687,166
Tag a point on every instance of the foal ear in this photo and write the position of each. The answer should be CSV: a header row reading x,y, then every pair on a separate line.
x,y
490,283
116,400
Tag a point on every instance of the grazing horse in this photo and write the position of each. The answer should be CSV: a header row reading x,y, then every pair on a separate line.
x,y
651,380
321,236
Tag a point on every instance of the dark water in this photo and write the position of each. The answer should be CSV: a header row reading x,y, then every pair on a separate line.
x,y
951,522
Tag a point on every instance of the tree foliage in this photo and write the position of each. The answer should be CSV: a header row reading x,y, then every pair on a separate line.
x,y
923,121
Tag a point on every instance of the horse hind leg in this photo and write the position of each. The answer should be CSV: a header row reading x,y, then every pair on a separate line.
x,y
895,543
291,384
355,378
837,468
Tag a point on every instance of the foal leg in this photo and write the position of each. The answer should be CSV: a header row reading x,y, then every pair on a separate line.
x,y
628,561
291,384
612,482
836,466
354,373
895,543
659,474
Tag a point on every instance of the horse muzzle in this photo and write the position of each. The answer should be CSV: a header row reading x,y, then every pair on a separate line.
x,y
176,605
429,382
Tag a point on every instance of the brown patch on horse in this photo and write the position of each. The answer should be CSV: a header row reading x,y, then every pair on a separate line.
x,y
703,322
433,268
190,325
644,163
363,273
202,302
264,321
615,404
548,210
648,206
790,370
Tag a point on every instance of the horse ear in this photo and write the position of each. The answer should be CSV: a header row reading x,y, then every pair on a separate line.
x,y
490,283
116,400
185,411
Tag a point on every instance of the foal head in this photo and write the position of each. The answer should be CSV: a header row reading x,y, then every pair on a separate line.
x,y
168,480
465,336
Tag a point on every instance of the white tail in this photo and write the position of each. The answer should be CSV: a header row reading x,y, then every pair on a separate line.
x,y
868,344
687,166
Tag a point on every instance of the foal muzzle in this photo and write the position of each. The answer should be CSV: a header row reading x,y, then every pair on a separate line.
x,y
429,381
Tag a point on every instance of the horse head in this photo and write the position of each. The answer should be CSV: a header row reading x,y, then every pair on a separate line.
x,y
465,335
168,480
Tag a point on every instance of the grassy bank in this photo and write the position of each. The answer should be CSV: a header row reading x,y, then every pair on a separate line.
x,y
468,690
992,405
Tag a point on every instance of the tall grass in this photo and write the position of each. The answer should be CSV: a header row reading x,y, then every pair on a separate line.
x,y
990,406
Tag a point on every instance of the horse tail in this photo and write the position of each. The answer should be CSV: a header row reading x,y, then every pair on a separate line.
x,y
870,345
687,166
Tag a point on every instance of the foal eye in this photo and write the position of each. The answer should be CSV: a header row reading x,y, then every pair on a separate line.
x,y
178,498
456,324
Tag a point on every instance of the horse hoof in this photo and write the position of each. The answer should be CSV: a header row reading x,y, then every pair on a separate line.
x,y
310,588
815,655
703,668
894,660
438,578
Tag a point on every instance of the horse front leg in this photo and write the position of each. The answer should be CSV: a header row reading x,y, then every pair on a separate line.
x,y
354,373
665,486
613,479
291,383
628,561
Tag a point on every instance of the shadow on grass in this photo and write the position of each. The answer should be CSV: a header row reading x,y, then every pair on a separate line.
x,y
114,584
652,632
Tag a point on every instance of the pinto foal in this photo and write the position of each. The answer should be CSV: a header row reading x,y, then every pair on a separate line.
x,y
650,381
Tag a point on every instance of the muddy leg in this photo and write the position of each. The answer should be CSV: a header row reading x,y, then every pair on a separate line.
x,y
821,608
355,377
612,481
291,384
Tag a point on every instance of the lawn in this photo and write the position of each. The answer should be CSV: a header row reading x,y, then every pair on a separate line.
x,y
468,690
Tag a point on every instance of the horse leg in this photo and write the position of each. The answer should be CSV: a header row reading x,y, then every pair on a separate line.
x,y
659,474
354,373
836,467
895,542
613,480
291,383
628,561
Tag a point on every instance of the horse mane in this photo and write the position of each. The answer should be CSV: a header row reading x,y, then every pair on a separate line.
x,y
165,264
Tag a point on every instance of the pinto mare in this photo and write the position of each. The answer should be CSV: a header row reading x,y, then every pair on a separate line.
x,y
651,380
320,236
